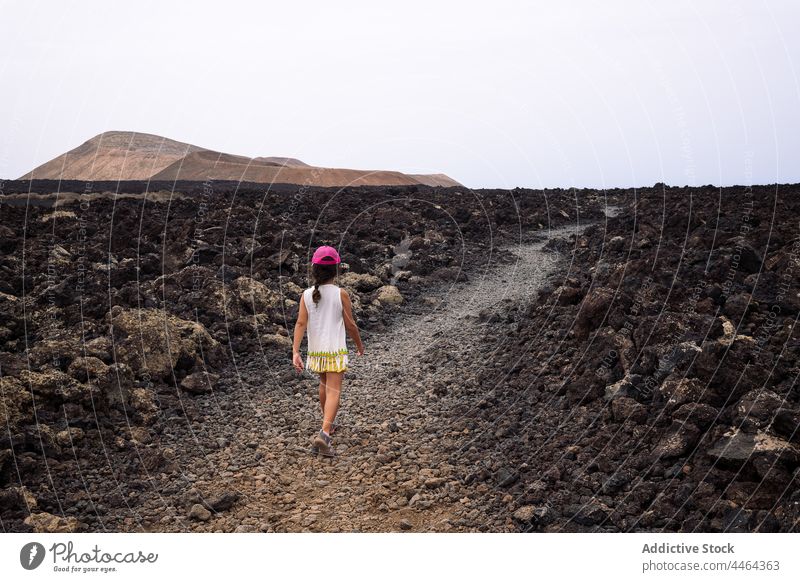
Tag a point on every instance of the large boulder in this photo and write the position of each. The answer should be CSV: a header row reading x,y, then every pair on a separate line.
x,y
756,409
193,288
362,282
54,352
49,523
389,295
624,408
85,368
17,406
739,254
787,424
677,357
155,343
594,309
622,388
70,437
116,382
679,440
17,499
143,402
100,347
58,387
737,448
200,382
253,296
277,340
292,290
697,413
676,391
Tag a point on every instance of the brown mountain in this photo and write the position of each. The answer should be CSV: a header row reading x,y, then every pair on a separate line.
x,y
126,155
204,165
114,155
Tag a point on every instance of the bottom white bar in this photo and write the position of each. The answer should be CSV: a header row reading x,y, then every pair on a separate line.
x,y
372,557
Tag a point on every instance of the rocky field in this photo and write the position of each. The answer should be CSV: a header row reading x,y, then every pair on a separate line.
x,y
124,306
634,370
654,383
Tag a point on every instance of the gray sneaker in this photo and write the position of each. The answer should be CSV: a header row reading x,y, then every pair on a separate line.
x,y
324,445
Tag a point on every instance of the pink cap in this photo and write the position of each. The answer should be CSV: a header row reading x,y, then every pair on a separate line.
x,y
326,256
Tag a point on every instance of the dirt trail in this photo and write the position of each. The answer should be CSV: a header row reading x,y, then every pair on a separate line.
x,y
395,469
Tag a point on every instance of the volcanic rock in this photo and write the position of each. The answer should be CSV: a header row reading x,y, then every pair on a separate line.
x,y
157,343
737,447
199,513
199,382
389,295
363,282
48,523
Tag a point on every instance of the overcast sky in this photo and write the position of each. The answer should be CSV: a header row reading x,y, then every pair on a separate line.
x,y
495,94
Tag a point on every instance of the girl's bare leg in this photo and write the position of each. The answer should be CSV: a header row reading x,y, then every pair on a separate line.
x,y
322,392
333,389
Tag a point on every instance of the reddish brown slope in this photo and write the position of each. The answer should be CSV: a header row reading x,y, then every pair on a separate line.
x,y
114,155
204,165
126,155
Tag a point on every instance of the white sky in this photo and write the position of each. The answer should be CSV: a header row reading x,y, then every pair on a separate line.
x,y
495,94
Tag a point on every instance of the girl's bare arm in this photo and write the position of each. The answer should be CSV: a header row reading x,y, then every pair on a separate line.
x,y
350,323
300,326
299,332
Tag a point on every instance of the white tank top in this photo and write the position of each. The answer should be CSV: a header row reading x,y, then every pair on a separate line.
x,y
326,333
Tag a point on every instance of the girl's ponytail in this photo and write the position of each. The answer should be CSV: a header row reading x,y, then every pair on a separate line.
x,y
316,295
322,274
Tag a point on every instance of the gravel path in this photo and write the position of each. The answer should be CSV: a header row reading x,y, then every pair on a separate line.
x,y
396,469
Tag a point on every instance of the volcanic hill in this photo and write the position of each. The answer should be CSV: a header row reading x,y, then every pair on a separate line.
x,y
127,155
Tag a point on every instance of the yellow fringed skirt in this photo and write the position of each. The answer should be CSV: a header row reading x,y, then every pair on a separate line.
x,y
321,362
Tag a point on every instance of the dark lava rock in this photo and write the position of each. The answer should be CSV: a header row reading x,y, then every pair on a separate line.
x,y
199,513
506,477
624,408
221,501
787,424
199,382
592,513
678,441
699,414
736,448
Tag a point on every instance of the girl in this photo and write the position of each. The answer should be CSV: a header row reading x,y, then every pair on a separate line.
x,y
326,311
